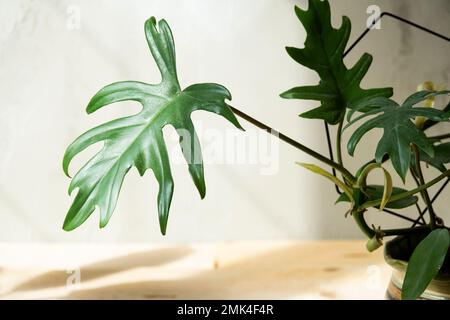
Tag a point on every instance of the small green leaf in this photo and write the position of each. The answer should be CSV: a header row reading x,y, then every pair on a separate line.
x,y
425,263
375,192
387,190
398,129
316,169
339,87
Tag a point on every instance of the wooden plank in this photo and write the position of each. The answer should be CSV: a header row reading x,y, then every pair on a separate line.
x,y
235,270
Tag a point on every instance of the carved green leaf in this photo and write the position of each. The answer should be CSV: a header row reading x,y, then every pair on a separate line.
x,y
339,87
137,140
399,132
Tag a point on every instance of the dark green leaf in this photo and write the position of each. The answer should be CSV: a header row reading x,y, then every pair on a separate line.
x,y
138,140
339,87
441,156
425,263
375,192
430,123
398,129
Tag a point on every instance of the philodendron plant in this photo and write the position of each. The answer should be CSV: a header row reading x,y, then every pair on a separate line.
x,y
138,141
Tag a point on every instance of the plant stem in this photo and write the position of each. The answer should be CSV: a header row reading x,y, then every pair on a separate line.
x,y
416,179
422,212
362,224
338,142
385,158
401,231
339,147
424,193
370,233
374,203
345,173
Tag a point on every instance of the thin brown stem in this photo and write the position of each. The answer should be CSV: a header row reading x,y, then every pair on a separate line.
x,y
346,174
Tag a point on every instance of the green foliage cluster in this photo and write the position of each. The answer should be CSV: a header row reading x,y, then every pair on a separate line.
x,y
137,140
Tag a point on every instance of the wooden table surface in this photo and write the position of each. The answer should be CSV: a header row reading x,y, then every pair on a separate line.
x,y
232,270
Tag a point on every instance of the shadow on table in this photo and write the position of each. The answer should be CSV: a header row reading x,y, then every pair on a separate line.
x,y
107,267
286,272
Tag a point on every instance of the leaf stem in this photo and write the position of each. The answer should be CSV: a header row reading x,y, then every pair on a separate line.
x,y
346,174
416,179
370,233
374,203
338,142
402,231
362,224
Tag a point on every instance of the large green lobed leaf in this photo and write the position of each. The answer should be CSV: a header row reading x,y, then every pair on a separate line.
x,y
339,87
138,140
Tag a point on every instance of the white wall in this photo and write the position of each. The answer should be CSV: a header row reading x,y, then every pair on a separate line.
x,y
49,70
